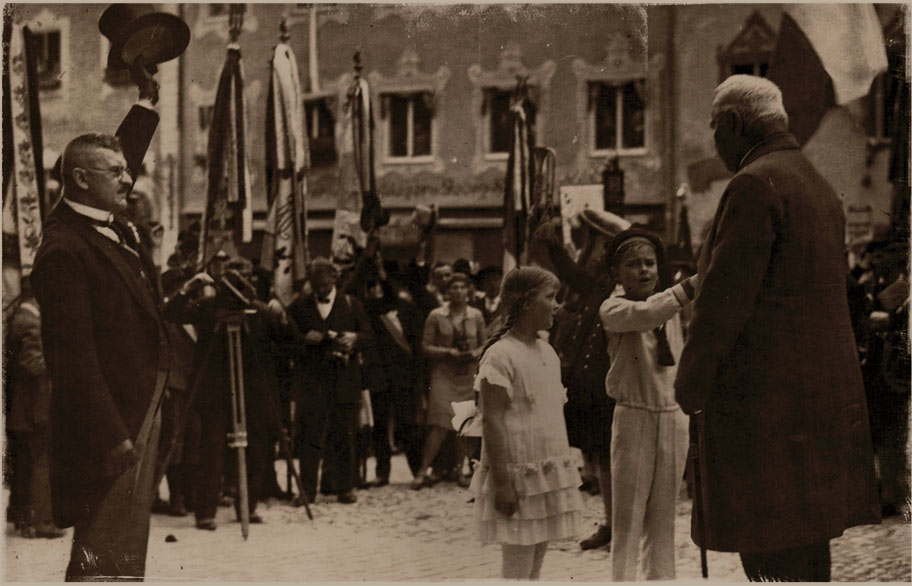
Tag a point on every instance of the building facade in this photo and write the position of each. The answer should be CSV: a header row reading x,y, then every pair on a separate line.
x,y
625,81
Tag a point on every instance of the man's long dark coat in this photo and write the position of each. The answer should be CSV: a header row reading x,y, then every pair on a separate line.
x,y
771,359
104,341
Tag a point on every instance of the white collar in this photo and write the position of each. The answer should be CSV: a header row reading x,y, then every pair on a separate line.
x,y
331,297
89,211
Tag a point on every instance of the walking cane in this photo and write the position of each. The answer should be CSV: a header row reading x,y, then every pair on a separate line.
x,y
696,442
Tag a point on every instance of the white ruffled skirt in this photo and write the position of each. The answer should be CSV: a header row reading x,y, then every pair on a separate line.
x,y
548,509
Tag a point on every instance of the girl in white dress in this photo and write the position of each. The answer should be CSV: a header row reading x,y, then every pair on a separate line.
x,y
526,487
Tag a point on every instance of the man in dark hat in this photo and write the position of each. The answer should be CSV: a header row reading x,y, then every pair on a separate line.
x,y
106,349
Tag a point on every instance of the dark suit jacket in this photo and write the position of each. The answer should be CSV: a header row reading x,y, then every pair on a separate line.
x,y
771,359
321,375
396,353
28,388
104,341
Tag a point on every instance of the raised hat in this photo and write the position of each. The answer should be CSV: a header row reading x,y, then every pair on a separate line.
x,y
605,222
136,29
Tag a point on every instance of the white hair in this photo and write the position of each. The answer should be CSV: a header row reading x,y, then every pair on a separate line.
x,y
756,99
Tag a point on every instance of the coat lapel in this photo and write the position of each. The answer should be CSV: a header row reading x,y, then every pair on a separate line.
x,y
108,249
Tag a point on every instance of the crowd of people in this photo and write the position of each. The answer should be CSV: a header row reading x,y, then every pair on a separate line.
x,y
609,350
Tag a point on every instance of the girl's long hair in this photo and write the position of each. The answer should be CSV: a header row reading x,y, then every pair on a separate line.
x,y
519,286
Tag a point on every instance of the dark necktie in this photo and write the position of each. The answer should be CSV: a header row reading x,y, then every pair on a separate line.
x,y
663,349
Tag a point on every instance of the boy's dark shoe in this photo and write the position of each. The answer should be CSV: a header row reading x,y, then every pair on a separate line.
x,y
206,524
599,539
347,498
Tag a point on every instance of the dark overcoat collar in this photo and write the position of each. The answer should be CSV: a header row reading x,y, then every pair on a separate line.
x,y
83,227
774,142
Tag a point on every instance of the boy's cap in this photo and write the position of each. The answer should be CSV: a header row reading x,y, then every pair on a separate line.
x,y
635,232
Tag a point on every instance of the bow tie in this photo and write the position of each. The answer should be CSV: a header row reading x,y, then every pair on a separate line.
x,y
124,233
322,299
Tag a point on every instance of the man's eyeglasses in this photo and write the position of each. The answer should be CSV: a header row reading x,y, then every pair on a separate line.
x,y
114,171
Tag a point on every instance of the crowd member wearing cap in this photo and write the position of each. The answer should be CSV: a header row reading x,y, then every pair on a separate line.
x,y
770,368
649,436
589,410
332,328
105,346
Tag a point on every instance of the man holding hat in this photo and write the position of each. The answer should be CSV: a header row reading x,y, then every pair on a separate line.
x,y
105,344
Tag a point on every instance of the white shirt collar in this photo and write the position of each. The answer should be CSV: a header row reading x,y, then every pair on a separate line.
x,y
325,308
89,211
331,297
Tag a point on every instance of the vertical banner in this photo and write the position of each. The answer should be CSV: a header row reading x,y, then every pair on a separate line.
x,y
25,187
228,214
285,251
518,184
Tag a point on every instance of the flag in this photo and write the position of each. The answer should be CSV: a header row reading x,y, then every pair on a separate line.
x,y
827,55
23,165
228,193
285,249
358,208
518,186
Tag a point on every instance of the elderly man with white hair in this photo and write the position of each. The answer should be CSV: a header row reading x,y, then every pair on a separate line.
x,y
770,373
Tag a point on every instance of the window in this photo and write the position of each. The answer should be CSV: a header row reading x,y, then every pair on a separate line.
x,y
750,52
492,92
500,126
618,115
46,46
409,122
321,126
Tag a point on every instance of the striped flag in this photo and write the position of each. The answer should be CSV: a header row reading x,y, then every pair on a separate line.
x,y
23,177
285,249
228,193
518,186
827,55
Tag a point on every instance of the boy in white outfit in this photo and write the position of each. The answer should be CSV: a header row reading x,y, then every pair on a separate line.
x,y
649,434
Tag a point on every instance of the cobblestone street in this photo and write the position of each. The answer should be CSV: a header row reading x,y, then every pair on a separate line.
x,y
394,533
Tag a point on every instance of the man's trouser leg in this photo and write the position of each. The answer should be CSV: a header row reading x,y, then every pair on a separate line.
x,y
40,477
810,563
213,441
312,433
340,440
382,405
112,543
633,456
